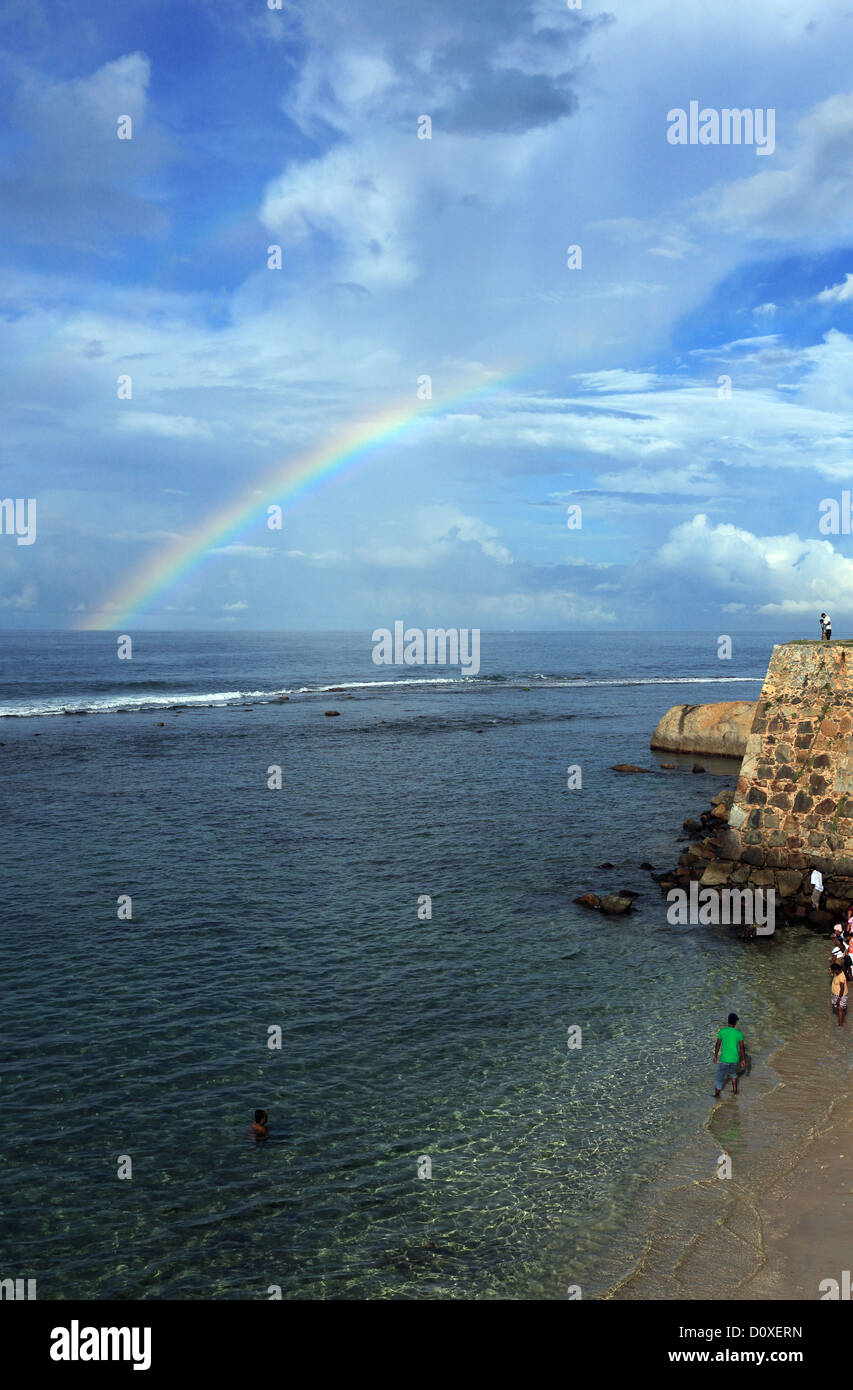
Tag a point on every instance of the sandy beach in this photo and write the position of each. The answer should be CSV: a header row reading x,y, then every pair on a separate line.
x,y
779,1226
805,1219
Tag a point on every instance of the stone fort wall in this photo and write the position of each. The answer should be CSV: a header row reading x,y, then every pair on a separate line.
x,y
793,805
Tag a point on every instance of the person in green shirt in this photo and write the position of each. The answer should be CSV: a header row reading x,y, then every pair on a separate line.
x,y
729,1056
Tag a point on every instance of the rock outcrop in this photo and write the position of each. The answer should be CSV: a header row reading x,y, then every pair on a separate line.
x,y
719,729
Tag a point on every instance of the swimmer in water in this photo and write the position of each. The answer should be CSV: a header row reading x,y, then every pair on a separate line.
x,y
258,1128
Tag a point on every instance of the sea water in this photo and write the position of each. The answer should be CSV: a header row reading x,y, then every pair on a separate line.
x,y
432,1132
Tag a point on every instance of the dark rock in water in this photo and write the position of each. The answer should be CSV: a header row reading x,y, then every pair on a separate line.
x,y
606,865
331,712
820,919
627,893
697,767
646,865
161,725
282,699
693,827
589,900
334,690
724,798
670,767
628,767
615,903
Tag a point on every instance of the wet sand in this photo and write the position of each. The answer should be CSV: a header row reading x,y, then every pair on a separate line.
x,y
783,1222
807,1219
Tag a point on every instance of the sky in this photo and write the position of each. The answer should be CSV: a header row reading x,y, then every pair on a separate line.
x,y
685,379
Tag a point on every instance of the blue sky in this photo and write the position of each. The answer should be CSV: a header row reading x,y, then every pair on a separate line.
x,y
403,256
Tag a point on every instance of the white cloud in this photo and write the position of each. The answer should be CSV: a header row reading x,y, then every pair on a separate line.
x,y
26,598
560,605
837,294
813,197
169,426
260,552
616,380
772,575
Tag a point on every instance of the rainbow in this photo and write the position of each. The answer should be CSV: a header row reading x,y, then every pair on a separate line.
x,y
285,485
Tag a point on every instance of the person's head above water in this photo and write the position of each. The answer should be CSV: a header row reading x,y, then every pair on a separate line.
x,y
732,1020
260,1117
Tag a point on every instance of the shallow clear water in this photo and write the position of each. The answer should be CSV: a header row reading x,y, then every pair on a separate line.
x,y
402,1038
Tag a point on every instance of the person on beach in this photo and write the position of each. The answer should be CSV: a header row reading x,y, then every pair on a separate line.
x,y
817,887
729,1055
839,993
825,628
841,956
258,1127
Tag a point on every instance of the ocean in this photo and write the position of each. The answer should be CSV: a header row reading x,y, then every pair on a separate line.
x,y
432,1133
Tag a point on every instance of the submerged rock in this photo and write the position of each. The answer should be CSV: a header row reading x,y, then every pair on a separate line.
x,y
615,903
589,900
629,767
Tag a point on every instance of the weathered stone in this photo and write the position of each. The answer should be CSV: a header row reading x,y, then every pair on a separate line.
x,y
723,798
717,873
589,900
719,729
762,878
788,882
730,844
613,904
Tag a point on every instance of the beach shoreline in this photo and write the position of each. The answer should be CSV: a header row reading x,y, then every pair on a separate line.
x,y
776,1230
